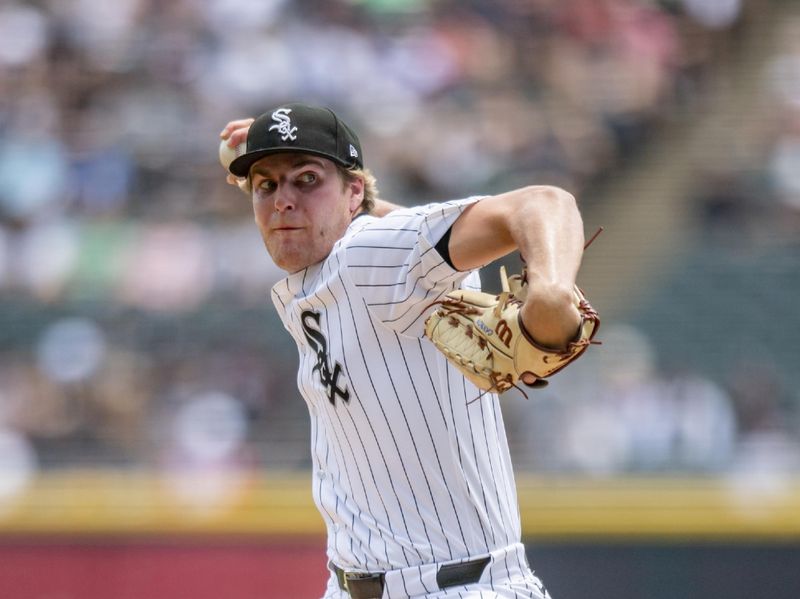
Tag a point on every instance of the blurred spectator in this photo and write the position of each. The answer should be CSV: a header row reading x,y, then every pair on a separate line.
x,y
768,453
17,466
205,459
714,14
71,350
783,160
23,34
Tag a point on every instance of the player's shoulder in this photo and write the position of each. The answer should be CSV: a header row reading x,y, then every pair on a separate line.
x,y
404,214
405,223
398,219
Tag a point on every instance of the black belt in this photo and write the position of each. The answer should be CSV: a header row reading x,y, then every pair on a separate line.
x,y
363,585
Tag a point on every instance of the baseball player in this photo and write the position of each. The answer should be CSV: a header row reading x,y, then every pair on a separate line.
x,y
411,468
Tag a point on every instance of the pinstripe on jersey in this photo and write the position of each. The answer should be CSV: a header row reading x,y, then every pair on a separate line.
x,y
406,471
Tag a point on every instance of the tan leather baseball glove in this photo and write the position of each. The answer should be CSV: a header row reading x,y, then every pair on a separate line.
x,y
482,335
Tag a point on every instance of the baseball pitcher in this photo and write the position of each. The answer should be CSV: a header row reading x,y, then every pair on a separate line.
x,y
402,355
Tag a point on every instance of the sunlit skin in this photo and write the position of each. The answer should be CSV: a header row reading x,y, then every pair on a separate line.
x,y
302,206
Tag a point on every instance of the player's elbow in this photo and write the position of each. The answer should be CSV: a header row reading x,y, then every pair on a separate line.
x,y
549,196
542,207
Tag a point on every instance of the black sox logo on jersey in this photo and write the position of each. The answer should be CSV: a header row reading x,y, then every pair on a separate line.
x,y
328,377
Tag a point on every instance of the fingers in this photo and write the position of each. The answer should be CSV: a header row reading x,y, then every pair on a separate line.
x,y
234,125
236,131
238,136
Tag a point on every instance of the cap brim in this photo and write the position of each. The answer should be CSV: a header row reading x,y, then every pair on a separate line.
x,y
240,166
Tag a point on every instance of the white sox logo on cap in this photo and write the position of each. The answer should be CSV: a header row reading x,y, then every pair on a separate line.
x,y
283,124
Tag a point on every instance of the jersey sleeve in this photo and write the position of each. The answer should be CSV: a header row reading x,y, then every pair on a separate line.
x,y
395,267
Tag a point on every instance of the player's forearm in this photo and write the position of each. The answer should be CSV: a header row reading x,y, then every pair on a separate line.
x,y
547,227
548,230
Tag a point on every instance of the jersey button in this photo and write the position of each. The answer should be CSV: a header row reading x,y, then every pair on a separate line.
x,y
321,474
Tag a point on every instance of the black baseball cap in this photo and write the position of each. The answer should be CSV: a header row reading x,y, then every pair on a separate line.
x,y
296,127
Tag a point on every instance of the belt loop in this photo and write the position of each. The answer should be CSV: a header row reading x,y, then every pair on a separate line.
x,y
450,575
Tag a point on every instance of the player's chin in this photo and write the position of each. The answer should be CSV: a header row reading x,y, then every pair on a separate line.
x,y
285,262
288,257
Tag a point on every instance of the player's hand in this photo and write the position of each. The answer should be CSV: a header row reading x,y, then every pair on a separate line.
x,y
549,314
235,132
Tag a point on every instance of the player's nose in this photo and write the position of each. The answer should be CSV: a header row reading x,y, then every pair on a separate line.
x,y
283,200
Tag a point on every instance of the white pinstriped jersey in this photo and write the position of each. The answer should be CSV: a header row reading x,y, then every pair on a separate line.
x,y
407,469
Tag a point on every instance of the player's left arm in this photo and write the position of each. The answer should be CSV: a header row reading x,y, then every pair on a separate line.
x,y
544,224
382,208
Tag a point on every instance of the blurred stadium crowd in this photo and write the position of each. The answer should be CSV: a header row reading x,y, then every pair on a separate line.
x,y
135,325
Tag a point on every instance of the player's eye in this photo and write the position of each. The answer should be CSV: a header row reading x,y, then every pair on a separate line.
x,y
267,186
307,178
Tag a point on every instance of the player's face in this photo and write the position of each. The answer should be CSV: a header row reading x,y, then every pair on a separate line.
x,y
302,206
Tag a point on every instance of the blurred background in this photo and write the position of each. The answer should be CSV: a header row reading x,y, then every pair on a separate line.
x,y
152,441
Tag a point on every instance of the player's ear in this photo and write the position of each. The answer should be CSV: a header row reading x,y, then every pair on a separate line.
x,y
355,187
